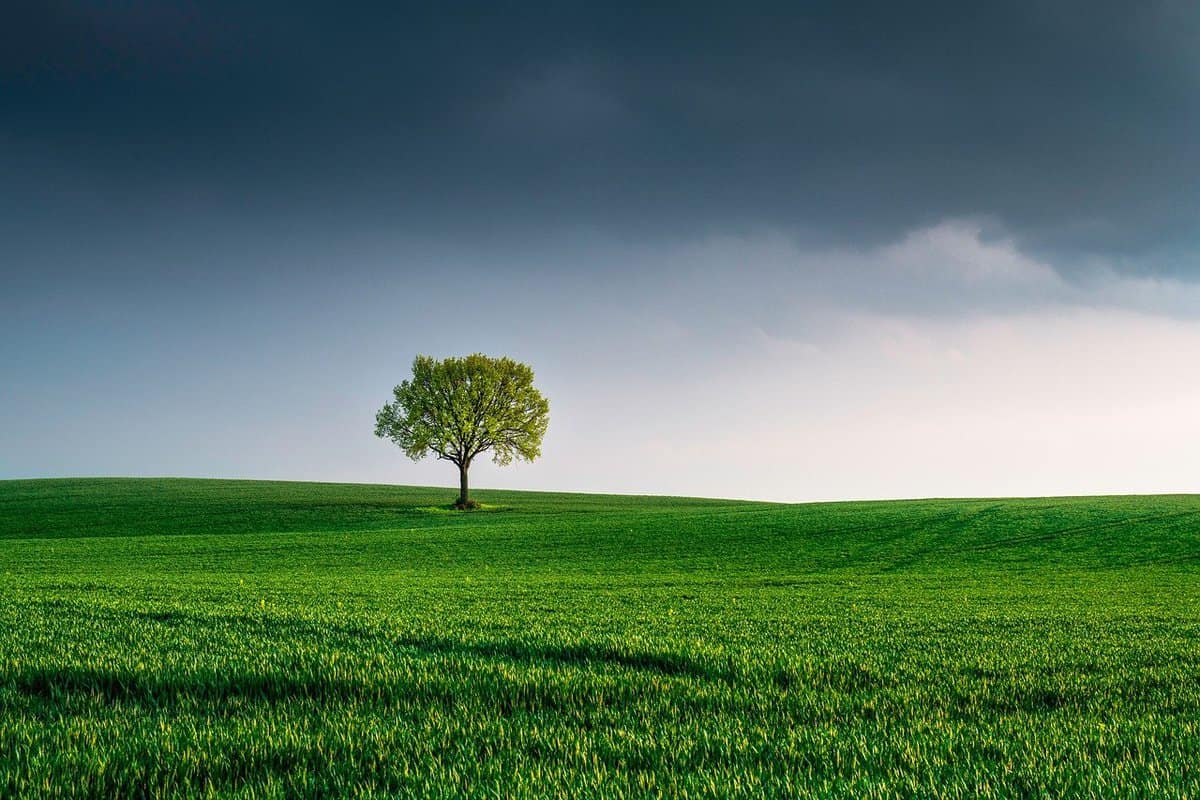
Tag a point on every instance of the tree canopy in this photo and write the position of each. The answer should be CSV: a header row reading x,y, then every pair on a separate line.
x,y
459,408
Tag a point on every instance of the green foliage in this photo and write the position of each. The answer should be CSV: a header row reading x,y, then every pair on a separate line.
x,y
254,639
458,408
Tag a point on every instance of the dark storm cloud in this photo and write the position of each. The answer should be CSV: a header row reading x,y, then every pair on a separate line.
x,y
1074,125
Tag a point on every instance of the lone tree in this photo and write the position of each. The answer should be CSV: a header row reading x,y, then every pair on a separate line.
x,y
458,408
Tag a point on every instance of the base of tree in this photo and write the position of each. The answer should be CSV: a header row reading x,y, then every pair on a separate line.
x,y
470,505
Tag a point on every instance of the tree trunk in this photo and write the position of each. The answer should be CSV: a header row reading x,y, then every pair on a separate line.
x,y
464,499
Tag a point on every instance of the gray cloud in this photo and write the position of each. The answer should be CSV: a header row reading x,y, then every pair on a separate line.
x,y
1073,124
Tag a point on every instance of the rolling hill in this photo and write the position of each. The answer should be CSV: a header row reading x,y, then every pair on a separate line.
x,y
171,636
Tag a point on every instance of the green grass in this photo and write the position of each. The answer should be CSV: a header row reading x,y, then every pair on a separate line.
x,y
253,639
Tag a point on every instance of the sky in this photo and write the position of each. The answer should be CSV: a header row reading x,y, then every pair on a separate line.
x,y
801,251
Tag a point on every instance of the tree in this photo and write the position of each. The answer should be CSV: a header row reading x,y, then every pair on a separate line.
x,y
458,408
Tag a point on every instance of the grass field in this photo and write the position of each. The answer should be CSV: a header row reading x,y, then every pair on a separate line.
x,y
252,639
